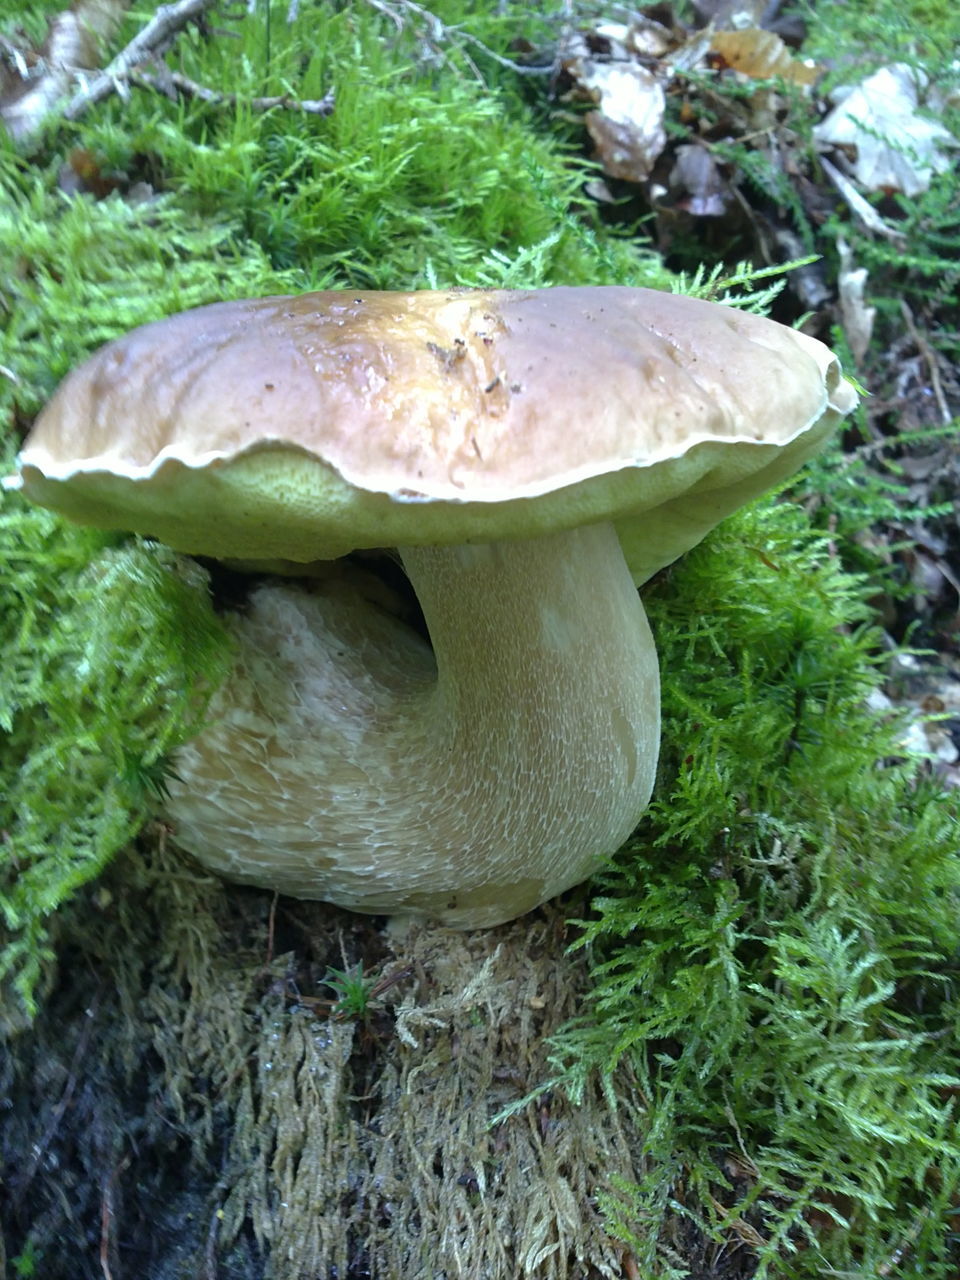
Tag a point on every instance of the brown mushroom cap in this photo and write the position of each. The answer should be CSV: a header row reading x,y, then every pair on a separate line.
x,y
306,427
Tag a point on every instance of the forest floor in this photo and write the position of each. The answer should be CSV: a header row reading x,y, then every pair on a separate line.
x,y
220,1083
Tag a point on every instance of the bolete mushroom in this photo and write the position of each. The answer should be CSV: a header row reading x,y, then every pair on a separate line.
x,y
531,456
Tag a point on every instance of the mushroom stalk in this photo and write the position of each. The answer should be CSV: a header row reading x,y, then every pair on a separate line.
x,y
346,761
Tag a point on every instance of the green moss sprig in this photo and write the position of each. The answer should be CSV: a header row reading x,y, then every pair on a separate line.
x,y
109,652
775,956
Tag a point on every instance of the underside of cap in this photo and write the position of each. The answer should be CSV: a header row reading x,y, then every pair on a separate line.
x,y
306,427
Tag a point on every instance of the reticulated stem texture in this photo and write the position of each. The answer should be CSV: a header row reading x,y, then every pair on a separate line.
x,y
348,761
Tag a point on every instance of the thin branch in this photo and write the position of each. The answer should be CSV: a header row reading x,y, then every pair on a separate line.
x,y
438,31
521,68
172,84
930,360
71,47
861,209
270,932
155,38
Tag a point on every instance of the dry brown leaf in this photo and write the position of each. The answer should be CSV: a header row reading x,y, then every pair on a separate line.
x,y
760,55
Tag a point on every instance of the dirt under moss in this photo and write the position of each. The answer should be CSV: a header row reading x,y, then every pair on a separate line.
x,y
187,1104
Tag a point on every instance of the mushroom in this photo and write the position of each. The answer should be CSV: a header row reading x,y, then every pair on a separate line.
x,y
531,456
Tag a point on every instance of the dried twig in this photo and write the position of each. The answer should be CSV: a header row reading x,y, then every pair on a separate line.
x,y
439,31
861,209
71,47
106,1223
155,38
107,1244
150,44
172,84
930,360
271,926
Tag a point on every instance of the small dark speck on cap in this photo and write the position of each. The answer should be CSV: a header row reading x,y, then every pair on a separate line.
x,y
268,386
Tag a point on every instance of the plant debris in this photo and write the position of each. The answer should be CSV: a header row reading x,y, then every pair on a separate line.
x,y
34,81
894,147
213,1126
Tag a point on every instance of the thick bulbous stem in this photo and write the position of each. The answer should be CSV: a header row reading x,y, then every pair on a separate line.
x,y
347,761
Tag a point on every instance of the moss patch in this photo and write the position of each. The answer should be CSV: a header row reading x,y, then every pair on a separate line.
x,y
776,956
185,1088
109,652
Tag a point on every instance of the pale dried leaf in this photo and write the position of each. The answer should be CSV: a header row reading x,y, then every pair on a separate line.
x,y
857,318
896,148
649,38
628,126
598,190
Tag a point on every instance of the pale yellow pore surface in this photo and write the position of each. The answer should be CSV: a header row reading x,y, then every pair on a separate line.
x,y
347,762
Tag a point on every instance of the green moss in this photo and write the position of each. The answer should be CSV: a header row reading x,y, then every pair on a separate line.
x,y
424,174
109,652
775,957
878,32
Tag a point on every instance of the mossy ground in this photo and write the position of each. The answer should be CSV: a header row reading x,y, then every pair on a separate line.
x,y
776,956
747,1065
227,1127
